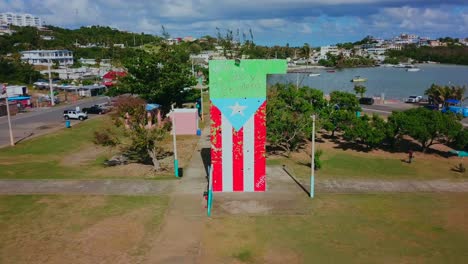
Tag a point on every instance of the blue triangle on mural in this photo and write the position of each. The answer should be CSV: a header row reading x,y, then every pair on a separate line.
x,y
238,110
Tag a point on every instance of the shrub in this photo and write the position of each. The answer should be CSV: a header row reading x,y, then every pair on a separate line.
x,y
317,160
105,138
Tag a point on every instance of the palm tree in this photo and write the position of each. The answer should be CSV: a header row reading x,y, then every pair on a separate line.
x,y
360,89
305,51
458,92
440,94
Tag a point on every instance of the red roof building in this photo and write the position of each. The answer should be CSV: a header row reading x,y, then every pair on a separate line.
x,y
111,77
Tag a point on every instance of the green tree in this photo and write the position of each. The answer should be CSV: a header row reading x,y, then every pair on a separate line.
x,y
394,130
430,127
15,72
160,77
360,89
367,131
461,140
144,145
334,119
289,115
344,101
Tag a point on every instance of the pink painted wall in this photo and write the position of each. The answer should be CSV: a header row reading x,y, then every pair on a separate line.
x,y
186,121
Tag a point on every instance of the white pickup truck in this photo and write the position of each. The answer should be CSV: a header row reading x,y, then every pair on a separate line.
x,y
73,114
413,99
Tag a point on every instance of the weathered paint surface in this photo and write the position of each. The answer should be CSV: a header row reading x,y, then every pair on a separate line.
x,y
246,80
238,123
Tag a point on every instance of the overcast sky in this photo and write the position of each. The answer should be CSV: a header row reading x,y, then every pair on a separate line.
x,y
318,22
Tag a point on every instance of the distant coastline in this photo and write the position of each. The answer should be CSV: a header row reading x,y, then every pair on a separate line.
x,y
312,68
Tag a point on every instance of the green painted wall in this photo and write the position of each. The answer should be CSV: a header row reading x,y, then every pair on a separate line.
x,y
248,79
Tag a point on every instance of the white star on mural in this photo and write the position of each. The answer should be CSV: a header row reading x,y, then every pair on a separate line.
x,y
237,109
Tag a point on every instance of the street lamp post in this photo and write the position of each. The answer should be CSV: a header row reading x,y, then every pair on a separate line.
x,y
174,140
201,97
312,165
52,101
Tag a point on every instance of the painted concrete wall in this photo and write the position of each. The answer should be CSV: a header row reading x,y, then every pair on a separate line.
x,y
238,123
186,121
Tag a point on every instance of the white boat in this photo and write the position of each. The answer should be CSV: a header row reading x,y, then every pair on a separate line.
x,y
413,69
314,74
400,65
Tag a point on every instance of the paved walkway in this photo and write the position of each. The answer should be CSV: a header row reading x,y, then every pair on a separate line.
x,y
180,238
379,186
194,184
87,187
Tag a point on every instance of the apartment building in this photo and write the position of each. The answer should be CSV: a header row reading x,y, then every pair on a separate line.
x,y
20,20
44,57
326,49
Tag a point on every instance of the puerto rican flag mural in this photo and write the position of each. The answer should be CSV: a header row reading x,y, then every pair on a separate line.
x,y
238,128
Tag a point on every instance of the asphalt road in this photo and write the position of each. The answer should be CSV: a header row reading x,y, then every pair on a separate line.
x,y
386,110
40,120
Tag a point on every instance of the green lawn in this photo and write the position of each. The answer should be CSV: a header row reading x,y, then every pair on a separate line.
x,y
387,228
54,228
348,164
71,154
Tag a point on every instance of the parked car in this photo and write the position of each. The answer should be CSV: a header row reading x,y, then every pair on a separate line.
x,y
105,106
95,109
414,99
366,100
73,114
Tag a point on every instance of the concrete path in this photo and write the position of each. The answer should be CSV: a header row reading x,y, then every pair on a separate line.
x,y
180,238
87,187
378,186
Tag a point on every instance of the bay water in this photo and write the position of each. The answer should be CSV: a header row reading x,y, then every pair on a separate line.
x,y
394,83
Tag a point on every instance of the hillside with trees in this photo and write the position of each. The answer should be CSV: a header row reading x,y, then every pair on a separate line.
x,y
453,54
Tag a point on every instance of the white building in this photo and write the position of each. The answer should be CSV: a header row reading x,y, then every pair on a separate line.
x,y
328,49
376,51
20,20
42,57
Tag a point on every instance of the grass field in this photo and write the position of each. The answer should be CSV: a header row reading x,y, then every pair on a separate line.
x,y
350,164
71,154
78,229
387,228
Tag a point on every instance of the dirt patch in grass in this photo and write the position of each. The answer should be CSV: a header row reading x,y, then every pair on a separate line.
x,y
185,147
110,240
132,170
280,256
78,229
85,155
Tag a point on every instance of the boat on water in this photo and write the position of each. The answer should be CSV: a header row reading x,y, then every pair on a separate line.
x,y
358,79
314,74
413,69
330,71
401,65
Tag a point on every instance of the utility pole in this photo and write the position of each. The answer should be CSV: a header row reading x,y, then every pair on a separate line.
x,y
201,96
297,81
312,165
52,101
174,140
10,130
193,69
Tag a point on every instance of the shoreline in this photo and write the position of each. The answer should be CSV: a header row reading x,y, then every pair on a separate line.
x,y
310,68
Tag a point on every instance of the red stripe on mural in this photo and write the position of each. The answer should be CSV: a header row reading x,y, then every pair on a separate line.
x,y
259,148
216,149
238,160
